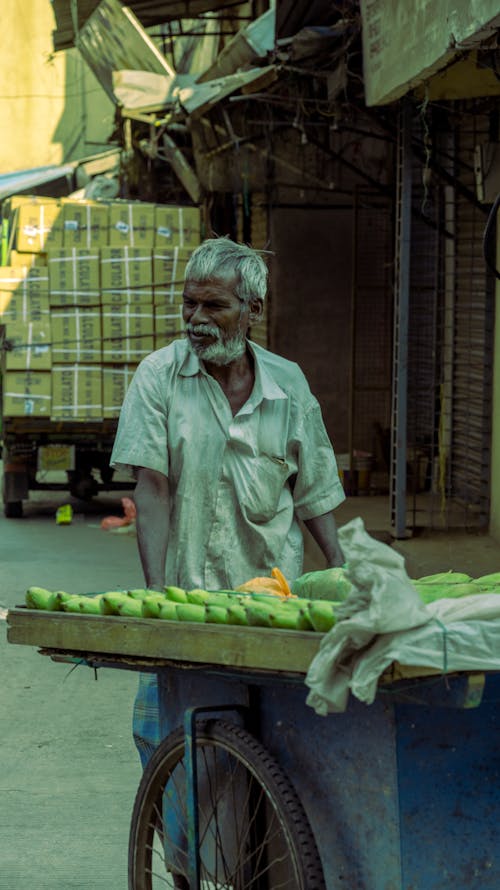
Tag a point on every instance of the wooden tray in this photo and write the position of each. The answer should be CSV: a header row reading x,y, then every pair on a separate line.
x,y
261,649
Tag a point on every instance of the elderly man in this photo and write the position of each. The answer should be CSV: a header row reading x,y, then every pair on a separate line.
x,y
228,447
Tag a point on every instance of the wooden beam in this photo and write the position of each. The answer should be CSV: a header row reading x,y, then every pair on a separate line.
x,y
242,647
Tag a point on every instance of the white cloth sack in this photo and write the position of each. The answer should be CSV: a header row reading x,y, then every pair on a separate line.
x,y
384,620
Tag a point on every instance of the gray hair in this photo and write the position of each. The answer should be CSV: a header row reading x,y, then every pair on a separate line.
x,y
222,258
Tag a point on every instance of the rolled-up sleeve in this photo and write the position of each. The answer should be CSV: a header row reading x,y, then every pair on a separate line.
x,y
317,488
141,438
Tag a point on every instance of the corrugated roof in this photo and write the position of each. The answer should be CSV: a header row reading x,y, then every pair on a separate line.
x,y
149,13
58,179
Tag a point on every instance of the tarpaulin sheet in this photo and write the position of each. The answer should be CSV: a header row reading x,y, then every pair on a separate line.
x,y
384,620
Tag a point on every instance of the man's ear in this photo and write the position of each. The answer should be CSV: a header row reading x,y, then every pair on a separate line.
x,y
256,310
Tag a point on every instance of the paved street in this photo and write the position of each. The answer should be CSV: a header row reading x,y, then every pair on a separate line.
x,y
69,769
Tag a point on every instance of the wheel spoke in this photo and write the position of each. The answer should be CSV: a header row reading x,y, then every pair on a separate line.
x,y
253,832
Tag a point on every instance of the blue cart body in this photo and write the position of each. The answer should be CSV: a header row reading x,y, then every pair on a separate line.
x,y
402,794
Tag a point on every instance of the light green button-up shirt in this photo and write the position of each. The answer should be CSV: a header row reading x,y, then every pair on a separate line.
x,y
238,485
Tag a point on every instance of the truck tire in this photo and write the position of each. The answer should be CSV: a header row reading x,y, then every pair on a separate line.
x,y
13,509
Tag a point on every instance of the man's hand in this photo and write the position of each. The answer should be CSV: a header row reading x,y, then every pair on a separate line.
x,y
152,504
324,531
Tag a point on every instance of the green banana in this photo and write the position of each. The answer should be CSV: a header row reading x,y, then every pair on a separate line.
x,y
304,622
130,608
40,598
137,593
445,578
215,614
285,619
89,605
151,606
168,611
296,602
190,612
197,596
218,598
259,615
322,615
61,597
237,615
266,598
491,580
429,593
73,605
176,594
110,601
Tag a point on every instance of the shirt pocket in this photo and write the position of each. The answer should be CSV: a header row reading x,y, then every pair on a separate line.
x,y
266,479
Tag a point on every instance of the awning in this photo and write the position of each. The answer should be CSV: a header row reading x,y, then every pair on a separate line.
x,y
149,14
58,180
433,37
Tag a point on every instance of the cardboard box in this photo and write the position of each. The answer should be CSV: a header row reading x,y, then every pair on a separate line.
x,y
26,394
177,226
127,333
28,347
115,382
76,335
38,227
85,224
126,275
169,326
18,306
74,277
27,259
131,224
76,392
169,267
25,279
11,204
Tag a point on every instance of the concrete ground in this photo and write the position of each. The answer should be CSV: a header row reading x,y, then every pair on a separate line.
x,y
69,767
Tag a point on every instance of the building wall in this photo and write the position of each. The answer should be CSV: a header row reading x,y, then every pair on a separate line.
x,y
311,299
51,106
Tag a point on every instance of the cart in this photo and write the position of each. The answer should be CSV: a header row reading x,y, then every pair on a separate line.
x,y
257,791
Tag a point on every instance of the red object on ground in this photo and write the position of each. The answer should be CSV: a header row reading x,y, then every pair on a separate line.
x,y
117,521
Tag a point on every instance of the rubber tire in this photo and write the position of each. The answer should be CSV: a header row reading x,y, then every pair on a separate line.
x,y
251,754
13,509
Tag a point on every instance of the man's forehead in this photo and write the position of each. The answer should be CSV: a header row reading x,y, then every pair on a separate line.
x,y
212,285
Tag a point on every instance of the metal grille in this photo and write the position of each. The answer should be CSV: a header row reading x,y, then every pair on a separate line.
x,y
473,341
450,331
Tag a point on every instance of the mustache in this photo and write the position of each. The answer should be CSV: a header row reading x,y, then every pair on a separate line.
x,y
200,329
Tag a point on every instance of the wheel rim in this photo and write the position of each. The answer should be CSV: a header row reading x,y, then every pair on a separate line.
x,y
245,842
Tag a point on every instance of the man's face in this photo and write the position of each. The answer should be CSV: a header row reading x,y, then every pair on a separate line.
x,y
216,320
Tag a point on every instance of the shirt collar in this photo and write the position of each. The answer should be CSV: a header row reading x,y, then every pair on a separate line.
x,y
265,386
191,364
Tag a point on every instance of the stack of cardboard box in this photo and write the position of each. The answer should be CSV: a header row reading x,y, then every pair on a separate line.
x,y
26,357
90,290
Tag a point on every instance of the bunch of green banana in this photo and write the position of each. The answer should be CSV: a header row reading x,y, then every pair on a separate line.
x,y
48,600
453,585
201,606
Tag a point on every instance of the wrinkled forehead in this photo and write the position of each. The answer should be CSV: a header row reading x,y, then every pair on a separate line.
x,y
212,287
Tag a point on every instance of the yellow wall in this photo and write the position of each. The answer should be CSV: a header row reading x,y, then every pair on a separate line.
x,y
495,439
52,109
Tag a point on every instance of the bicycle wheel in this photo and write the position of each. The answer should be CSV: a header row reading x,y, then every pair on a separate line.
x,y
253,831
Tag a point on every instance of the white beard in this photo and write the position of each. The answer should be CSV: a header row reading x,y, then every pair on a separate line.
x,y
221,352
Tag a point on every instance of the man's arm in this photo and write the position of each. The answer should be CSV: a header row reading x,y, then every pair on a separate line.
x,y
152,504
324,531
